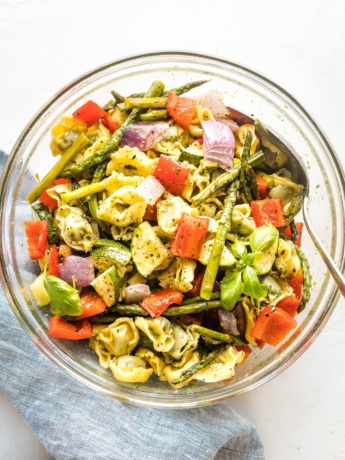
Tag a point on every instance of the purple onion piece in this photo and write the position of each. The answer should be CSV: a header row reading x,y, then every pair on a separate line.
x,y
81,268
219,143
213,100
144,135
135,293
228,322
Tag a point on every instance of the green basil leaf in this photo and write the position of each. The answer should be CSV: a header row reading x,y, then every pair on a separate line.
x,y
263,238
239,250
252,285
231,288
65,299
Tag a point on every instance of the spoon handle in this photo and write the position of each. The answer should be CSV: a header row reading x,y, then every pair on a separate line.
x,y
334,270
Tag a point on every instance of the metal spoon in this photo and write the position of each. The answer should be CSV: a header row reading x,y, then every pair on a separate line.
x,y
303,180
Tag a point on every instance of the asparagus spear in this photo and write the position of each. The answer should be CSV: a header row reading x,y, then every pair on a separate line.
x,y
44,214
184,309
306,279
197,367
223,179
103,154
295,206
219,241
146,102
77,146
153,115
190,309
83,191
244,162
92,199
179,90
217,335
214,296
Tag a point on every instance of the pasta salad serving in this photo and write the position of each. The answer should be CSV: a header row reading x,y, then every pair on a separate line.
x,y
166,236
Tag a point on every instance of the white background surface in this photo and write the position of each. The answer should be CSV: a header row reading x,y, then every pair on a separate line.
x,y
298,44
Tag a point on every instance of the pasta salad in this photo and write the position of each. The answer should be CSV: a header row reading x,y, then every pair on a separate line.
x,y
166,235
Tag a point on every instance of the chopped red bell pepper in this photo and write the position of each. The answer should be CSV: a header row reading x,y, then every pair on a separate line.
x,y
189,236
272,325
269,211
262,186
171,174
91,304
109,123
151,211
62,329
157,302
89,113
197,282
296,282
246,349
46,199
53,261
289,304
181,109
36,237
288,234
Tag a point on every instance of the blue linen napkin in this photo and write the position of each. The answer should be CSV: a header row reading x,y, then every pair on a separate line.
x,y
74,422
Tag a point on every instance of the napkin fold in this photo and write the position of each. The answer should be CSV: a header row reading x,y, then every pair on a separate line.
x,y
74,422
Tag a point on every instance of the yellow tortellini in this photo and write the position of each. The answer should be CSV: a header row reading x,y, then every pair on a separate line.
x,y
119,338
124,207
196,182
284,189
158,364
250,314
287,262
278,289
179,275
95,147
131,162
122,233
57,192
227,259
263,261
75,229
223,367
159,331
169,213
130,368
171,373
117,180
185,342
240,135
242,221
65,133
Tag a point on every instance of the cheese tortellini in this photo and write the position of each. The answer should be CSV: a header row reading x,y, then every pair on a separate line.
x,y
124,207
159,331
130,368
179,275
131,162
287,262
75,229
119,338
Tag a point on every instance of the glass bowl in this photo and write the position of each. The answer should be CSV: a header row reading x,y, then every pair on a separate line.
x,y
243,89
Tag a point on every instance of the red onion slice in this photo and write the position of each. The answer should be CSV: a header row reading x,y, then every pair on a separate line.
x,y
135,293
150,189
144,135
81,268
219,143
213,100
